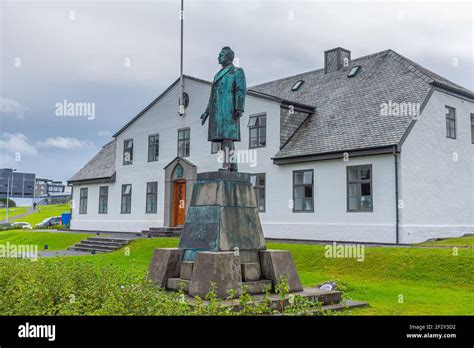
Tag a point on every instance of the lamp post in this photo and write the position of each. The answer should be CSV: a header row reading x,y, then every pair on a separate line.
x,y
8,192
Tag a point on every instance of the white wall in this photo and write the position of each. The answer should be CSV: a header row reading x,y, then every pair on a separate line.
x,y
436,189
329,221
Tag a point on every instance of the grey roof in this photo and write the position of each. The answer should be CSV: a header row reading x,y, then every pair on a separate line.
x,y
101,166
348,113
256,94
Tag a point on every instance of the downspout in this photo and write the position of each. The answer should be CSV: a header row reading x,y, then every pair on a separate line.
x,y
397,213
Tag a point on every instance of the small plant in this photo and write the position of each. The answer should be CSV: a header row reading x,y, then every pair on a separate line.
x,y
282,288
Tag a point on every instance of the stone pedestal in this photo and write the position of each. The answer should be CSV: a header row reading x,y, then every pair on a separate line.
x,y
223,215
222,242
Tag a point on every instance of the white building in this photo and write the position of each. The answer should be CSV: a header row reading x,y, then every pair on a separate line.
x,y
374,149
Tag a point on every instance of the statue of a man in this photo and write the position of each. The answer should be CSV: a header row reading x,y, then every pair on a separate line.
x,y
226,106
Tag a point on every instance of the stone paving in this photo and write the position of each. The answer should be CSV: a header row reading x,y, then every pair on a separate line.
x,y
16,217
55,253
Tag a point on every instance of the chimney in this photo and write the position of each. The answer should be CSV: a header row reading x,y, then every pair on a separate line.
x,y
336,59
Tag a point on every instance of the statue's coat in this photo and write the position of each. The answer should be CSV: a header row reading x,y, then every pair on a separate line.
x,y
227,96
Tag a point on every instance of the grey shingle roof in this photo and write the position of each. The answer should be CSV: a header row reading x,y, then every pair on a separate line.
x,y
101,166
348,113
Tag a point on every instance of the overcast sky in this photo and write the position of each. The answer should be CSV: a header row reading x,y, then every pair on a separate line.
x,y
120,55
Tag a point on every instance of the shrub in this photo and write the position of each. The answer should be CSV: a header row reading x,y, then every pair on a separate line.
x,y
11,203
64,286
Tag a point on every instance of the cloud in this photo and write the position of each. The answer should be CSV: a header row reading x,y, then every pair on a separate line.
x,y
104,133
65,143
11,107
17,143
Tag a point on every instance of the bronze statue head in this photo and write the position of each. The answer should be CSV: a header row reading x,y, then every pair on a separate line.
x,y
226,56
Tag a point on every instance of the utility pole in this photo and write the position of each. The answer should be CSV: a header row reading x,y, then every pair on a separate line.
x,y
181,77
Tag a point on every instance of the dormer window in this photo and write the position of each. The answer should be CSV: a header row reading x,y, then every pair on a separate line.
x,y
354,71
297,85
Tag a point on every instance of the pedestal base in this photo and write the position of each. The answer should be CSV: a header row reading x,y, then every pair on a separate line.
x,y
225,269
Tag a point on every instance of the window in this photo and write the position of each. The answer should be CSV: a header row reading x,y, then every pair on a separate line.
x,y
450,122
184,142
303,191
128,151
354,71
257,131
472,128
83,201
151,197
126,206
153,147
216,146
359,188
258,182
103,199
297,85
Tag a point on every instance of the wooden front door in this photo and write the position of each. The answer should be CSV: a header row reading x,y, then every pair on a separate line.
x,y
179,203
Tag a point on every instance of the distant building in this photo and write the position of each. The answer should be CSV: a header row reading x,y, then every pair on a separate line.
x,y
49,191
20,186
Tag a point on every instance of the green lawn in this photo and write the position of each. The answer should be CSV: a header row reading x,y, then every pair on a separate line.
x,y
12,212
45,211
467,242
394,280
55,241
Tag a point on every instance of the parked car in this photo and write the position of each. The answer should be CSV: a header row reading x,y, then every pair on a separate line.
x,y
6,226
24,225
48,222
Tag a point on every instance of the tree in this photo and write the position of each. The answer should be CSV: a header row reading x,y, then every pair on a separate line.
x,y
11,203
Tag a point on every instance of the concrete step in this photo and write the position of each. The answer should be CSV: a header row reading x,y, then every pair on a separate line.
x,y
100,242
330,300
325,297
103,239
86,249
343,305
160,232
171,229
97,246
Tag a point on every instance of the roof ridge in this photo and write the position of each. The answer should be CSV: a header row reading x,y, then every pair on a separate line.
x,y
427,73
320,69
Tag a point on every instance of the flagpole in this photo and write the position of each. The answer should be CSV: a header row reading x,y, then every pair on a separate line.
x,y
181,77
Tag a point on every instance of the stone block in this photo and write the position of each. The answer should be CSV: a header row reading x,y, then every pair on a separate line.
x,y
276,263
258,287
247,256
222,268
176,284
164,264
250,271
186,270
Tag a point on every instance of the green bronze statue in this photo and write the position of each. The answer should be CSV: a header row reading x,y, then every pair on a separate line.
x,y
226,106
